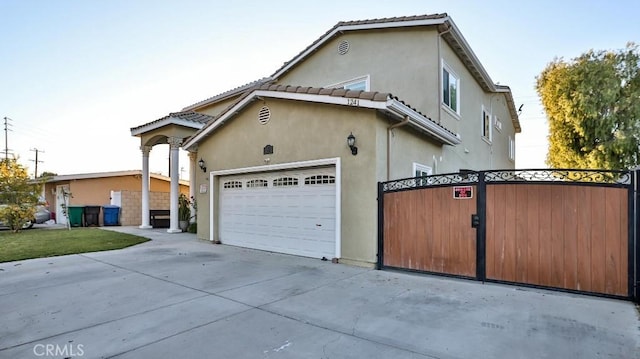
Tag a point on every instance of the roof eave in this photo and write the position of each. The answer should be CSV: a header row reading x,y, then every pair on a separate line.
x,y
421,122
512,107
138,131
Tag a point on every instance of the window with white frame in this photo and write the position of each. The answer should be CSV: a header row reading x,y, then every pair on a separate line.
x,y
512,148
358,84
486,125
497,123
450,89
420,170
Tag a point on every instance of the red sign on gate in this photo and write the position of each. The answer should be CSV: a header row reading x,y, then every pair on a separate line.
x,y
463,192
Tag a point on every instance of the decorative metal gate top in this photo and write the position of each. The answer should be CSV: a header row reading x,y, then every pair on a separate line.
x,y
557,176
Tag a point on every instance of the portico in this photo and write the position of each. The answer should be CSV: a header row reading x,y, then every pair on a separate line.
x,y
173,130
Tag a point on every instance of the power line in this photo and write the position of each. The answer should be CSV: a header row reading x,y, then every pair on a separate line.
x,y
35,175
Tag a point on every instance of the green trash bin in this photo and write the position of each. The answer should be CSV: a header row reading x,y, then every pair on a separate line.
x,y
75,216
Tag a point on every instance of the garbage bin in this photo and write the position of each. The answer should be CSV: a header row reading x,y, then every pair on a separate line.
x,y
75,215
111,215
91,216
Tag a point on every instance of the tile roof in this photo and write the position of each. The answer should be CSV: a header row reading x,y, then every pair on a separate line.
x,y
228,93
392,19
191,116
340,92
382,97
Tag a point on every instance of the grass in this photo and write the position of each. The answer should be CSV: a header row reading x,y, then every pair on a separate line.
x,y
40,243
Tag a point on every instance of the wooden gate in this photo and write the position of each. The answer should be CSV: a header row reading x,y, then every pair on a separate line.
x,y
572,230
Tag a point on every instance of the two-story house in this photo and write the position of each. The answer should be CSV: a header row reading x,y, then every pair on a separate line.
x,y
290,163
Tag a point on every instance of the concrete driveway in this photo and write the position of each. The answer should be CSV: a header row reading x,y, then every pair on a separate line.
x,y
177,297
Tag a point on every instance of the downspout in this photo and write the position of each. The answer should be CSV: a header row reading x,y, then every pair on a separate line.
x,y
389,129
447,28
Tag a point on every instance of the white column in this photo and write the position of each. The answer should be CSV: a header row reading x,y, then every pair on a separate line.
x,y
174,144
192,182
145,187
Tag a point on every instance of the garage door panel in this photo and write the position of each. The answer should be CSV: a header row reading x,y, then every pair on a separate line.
x,y
296,219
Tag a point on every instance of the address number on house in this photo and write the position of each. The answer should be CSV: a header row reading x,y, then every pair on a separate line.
x,y
463,192
353,102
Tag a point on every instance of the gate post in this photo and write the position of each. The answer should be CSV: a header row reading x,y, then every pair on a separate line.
x,y
380,225
481,231
634,245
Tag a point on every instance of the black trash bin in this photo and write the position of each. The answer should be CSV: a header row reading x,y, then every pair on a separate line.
x,y
91,216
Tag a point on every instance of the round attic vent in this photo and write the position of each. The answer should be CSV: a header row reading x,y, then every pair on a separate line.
x,y
343,48
264,115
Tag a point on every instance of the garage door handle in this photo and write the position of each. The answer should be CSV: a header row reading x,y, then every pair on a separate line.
x,y
318,225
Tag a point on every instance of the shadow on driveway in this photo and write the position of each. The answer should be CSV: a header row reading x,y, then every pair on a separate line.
x,y
176,296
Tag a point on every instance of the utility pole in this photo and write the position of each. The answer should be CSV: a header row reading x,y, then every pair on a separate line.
x,y
6,138
36,160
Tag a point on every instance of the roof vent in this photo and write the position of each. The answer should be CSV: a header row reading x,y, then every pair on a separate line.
x,y
343,48
264,115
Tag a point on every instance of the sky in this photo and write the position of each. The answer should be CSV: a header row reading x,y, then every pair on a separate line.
x,y
77,75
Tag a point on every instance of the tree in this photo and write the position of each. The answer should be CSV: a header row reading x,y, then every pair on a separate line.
x,y
18,195
593,108
47,174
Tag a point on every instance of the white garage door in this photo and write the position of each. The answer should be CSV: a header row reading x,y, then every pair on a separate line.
x,y
290,212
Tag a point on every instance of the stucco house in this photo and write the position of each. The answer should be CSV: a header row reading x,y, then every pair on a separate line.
x,y
121,188
290,163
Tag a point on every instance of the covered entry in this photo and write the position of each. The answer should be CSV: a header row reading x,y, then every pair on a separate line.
x,y
572,230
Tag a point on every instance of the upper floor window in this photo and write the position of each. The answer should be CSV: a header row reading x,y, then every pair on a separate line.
x,y
450,88
486,125
358,84
512,148
420,170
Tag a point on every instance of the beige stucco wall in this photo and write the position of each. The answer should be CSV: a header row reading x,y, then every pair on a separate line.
x,y
406,147
215,108
384,55
407,63
300,132
474,152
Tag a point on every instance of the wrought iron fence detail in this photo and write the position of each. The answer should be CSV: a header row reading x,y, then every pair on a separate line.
x,y
560,175
429,181
516,176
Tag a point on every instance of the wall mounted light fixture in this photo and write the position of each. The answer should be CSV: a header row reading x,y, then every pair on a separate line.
x,y
351,142
202,166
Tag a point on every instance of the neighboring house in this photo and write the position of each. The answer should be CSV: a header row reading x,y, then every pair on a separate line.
x,y
290,163
120,188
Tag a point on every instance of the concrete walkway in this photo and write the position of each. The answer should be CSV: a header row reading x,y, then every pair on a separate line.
x,y
178,297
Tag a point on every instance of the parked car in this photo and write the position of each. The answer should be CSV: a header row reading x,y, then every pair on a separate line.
x,y
42,215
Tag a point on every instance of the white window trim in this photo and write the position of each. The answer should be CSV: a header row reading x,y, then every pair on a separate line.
x,y
490,138
512,148
445,66
421,167
214,175
497,123
365,78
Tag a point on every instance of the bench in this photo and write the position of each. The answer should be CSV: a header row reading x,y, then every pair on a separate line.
x,y
159,218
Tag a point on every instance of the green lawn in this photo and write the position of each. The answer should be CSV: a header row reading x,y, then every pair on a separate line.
x,y
39,243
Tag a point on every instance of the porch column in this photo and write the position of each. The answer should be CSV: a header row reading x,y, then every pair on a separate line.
x,y
174,144
192,183
145,187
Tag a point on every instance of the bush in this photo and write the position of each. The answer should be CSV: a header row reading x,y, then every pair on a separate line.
x,y
17,216
193,228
